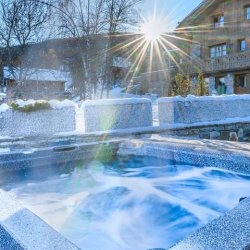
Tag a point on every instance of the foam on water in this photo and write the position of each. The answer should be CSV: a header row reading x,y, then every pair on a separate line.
x,y
131,203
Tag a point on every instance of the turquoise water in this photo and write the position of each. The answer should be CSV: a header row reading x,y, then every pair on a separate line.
x,y
130,203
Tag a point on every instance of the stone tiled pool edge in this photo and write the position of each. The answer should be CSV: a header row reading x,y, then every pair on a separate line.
x,y
226,155
21,229
230,231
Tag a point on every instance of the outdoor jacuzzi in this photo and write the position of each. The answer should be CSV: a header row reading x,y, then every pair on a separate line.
x,y
125,199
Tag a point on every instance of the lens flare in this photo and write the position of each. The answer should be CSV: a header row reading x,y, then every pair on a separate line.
x,y
153,30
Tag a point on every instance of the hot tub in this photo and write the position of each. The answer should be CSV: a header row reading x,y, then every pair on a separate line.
x,y
142,197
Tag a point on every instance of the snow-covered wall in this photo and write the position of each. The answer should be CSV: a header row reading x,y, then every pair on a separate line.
x,y
194,109
112,114
61,118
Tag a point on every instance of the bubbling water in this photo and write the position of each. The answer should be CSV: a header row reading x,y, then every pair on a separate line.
x,y
131,203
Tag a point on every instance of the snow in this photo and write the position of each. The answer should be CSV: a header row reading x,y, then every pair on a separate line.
x,y
207,123
30,151
5,137
4,150
2,96
43,75
41,123
22,103
119,92
191,98
37,74
194,109
55,104
4,107
117,114
115,101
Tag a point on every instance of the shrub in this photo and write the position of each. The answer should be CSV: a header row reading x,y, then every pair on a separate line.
x,y
182,85
39,105
202,88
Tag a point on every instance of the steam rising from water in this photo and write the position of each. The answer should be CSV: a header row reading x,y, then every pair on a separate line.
x,y
133,203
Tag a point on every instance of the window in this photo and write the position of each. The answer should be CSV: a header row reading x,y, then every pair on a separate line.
x,y
247,11
220,85
219,21
218,51
195,51
242,45
241,81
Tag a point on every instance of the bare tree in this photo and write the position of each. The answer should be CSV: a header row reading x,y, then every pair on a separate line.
x,y
120,15
80,19
22,22
87,20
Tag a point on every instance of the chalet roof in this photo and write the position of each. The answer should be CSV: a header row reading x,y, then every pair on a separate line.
x,y
197,14
37,74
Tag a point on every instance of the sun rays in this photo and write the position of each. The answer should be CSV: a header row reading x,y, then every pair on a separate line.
x,y
153,30
154,48
151,48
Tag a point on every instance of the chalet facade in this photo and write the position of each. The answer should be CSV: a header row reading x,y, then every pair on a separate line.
x,y
34,83
219,45
55,69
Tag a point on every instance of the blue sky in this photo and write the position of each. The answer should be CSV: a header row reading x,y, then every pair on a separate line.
x,y
176,10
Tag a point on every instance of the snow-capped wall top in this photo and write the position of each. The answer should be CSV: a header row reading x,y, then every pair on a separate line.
x,y
2,95
191,98
22,103
4,107
115,101
55,104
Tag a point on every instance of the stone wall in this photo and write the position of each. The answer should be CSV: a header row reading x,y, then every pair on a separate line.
x,y
227,132
39,123
117,114
203,109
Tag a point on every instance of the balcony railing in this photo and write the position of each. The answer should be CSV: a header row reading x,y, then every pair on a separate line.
x,y
236,61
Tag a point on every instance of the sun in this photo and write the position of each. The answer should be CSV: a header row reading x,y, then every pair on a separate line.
x,y
153,29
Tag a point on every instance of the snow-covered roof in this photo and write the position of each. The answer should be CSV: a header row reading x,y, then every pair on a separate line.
x,y
37,74
121,62
2,96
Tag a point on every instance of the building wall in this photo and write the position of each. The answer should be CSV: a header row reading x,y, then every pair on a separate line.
x,y
35,90
236,27
204,35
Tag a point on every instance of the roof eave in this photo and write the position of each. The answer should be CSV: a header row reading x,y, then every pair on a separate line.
x,y
190,18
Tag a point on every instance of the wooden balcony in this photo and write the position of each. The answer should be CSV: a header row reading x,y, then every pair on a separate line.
x,y
231,62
